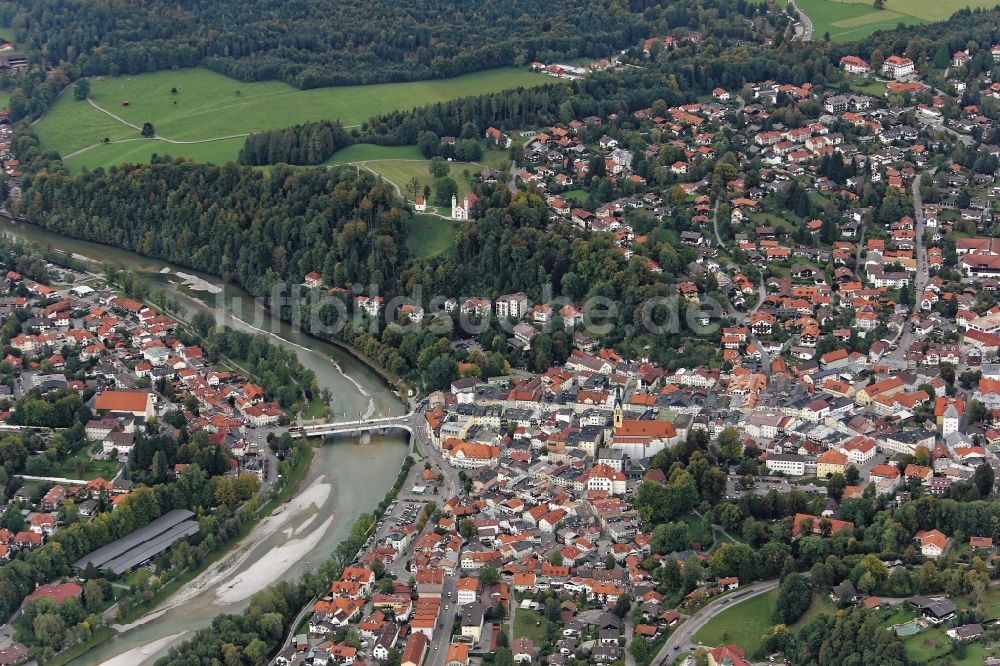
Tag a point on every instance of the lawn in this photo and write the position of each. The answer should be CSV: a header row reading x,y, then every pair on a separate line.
x,y
904,613
497,158
746,623
430,235
401,172
208,105
577,196
529,624
698,530
314,410
80,466
927,645
867,87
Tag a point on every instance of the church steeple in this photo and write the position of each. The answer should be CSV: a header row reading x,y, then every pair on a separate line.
x,y
619,409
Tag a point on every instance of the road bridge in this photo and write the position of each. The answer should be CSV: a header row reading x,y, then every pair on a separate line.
x,y
407,422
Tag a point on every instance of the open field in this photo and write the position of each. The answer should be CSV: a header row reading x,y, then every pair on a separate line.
x,y
430,235
7,34
81,466
402,171
849,21
746,623
362,152
529,624
207,105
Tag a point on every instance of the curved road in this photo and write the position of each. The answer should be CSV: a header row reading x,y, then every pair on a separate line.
x,y
807,24
682,638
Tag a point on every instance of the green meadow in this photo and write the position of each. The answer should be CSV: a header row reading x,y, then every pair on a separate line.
x,y
849,21
195,110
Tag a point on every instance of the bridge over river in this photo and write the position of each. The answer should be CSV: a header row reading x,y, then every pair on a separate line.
x,y
408,422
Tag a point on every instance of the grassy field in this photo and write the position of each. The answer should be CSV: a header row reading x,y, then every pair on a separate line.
x,y
746,623
699,530
867,87
7,34
363,152
80,466
402,171
207,105
848,21
525,626
927,645
429,235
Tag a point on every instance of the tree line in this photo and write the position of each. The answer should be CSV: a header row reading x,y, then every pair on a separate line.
x,y
323,43
258,229
309,143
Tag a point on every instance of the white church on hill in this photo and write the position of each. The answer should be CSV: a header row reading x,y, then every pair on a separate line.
x,y
461,211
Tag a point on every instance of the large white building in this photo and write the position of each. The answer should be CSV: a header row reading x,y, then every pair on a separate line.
x,y
460,212
897,66
788,463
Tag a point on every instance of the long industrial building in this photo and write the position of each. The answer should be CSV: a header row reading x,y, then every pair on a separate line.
x,y
142,544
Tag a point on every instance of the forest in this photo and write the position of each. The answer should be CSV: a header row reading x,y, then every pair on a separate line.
x,y
256,228
314,43
310,143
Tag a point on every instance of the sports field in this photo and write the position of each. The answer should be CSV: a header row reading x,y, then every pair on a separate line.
x,y
208,106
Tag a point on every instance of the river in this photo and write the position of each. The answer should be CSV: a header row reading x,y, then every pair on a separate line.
x,y
345,479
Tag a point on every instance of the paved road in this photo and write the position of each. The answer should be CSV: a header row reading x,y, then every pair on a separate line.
x,y
921,277
807,24
681,640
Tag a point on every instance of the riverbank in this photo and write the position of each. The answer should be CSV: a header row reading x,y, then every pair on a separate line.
x,y
357,471
133,615
392,381
101,634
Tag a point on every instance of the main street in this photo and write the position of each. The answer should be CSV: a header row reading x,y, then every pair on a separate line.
x,y
920,278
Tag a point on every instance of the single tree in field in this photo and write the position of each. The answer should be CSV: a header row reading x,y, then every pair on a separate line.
x,y
82,89
148,130
879,4
439,167
413,187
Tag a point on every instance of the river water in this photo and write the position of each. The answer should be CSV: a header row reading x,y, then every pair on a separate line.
x,y
345,479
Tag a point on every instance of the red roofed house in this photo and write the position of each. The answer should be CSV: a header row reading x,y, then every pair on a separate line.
x,y
727,655
933,544
57,592
416,648
136,403
802,522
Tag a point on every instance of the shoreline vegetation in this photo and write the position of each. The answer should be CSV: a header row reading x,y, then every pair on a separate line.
x,y
345,553
301,460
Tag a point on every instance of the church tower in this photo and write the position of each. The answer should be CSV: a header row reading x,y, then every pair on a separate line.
x,y
619,410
